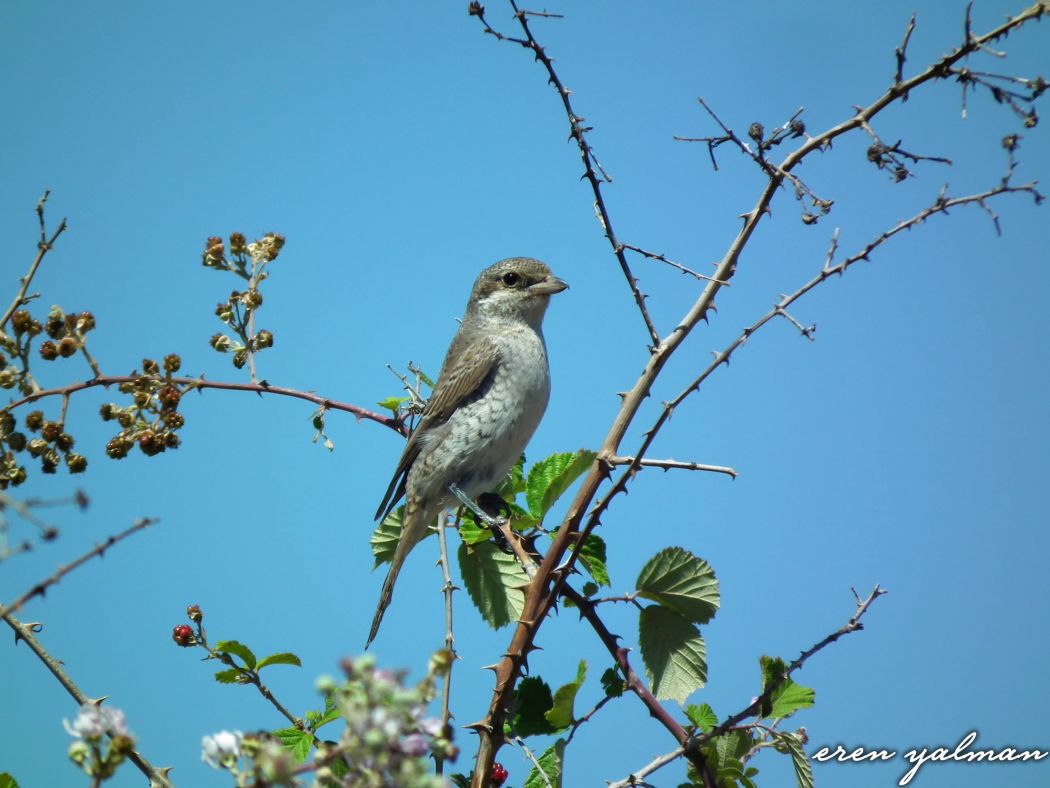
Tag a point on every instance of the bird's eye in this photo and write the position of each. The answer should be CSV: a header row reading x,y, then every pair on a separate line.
x,y
510,279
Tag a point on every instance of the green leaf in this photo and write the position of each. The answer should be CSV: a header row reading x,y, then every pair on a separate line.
x,y
392,403
561,713
230,676
551,762
470,530
532,701
551,477
589,589
297,742
702,716
238,650
460,780
284,658
7,781
678,580
789,697
724,752
592,556
493,580
386,535
791,743
673,652
612,683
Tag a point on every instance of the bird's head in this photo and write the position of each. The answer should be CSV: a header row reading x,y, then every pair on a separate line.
x,y
518,287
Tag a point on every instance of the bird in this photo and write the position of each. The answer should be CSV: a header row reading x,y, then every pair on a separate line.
x,y
489,398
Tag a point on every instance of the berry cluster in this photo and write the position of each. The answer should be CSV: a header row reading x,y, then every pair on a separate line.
x,y
248,261
152,419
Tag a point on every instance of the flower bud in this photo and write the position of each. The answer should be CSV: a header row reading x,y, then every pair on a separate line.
x,y
149,367
194,613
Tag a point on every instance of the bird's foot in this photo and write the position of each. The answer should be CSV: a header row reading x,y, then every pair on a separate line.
x,y
495,523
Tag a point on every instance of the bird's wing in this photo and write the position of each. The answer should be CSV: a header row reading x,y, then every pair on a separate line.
x,y
461,375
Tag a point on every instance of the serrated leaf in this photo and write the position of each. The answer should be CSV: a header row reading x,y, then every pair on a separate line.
x,y
532,701
229,676
789,697
283,658
470,531
589,589
612,683
803,770
386,535
674,653
392,403
238,650
592,556
460,780
7,781
680,581
551,762
725,751
297,742
552,476
560,715
494,581
702,716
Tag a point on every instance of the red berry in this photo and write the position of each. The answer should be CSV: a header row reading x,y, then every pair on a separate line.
x,y
182,635
498,775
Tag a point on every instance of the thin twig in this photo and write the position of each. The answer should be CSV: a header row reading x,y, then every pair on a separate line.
x,y
43,247
755,707
591,166
40,589
672,263
672,464
637,777
450,642
901,52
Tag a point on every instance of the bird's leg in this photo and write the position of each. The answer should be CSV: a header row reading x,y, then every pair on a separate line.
x,y
492,522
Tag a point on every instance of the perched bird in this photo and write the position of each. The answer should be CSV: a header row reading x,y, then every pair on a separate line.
x,y
489,398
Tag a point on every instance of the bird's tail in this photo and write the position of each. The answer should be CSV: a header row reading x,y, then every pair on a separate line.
x,y
414,529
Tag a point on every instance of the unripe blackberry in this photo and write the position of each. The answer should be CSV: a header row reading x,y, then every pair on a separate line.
x,y
34,420
264,339
50,430
173,420
169,397
20,321
67,347
17,441
55,325
117,448
77,463
172,362
37,446
65,441
107,411
48,350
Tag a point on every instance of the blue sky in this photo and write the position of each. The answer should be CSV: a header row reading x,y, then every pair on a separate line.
x,y
400,151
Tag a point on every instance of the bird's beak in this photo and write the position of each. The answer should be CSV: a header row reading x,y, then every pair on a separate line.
x,y
549,286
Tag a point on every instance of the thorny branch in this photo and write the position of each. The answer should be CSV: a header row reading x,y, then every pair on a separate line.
x,y
754,708
201,384
545,587
158,777
44,245
577,132
40,589
633,682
